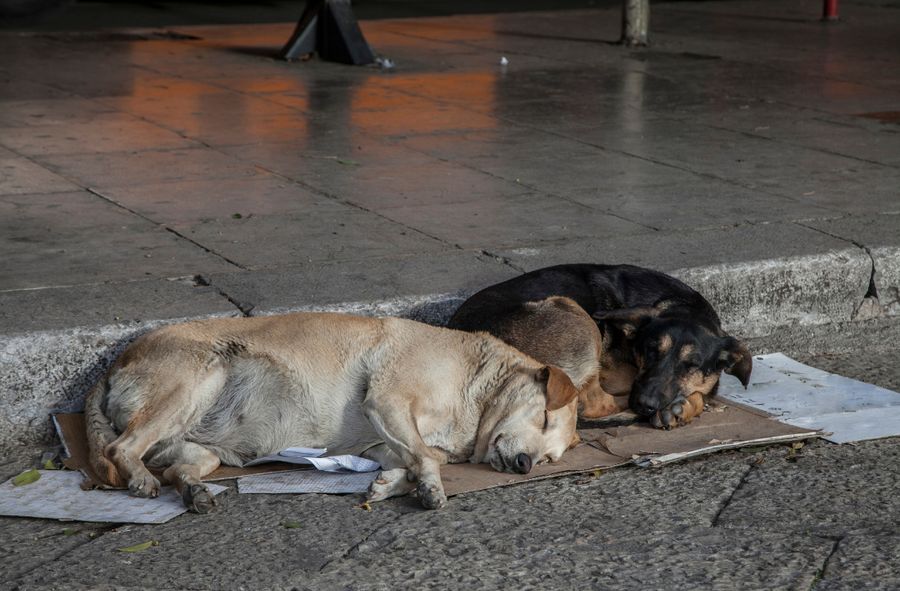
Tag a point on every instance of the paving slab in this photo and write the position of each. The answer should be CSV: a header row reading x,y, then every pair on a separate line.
x,y
27,310
188,202
20,176
78,238
359,286
112,132
40,113
329,232
126,168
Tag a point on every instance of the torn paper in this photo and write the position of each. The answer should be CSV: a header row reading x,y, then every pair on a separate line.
x,y
307,482
58,495
311,456
803,396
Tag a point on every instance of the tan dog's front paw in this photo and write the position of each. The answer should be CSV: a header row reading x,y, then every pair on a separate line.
x,y
198,498
144,486
390,483
431,495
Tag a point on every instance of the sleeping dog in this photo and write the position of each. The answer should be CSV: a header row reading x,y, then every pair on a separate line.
x,y
663,344
187,397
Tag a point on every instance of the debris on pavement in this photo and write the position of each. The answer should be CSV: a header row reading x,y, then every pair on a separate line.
x,y
27,477
139,547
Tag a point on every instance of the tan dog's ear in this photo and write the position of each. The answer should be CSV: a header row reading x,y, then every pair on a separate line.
x,y
629,320
560,389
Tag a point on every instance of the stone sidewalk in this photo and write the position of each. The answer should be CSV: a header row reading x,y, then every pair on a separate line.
x,y
753,151
151,175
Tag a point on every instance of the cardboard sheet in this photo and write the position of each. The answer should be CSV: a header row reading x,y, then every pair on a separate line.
x,y
797,394
725,425
57,495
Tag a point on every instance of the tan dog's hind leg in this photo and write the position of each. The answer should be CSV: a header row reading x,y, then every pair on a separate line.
x,y
396,427
169,405
594,402
190,464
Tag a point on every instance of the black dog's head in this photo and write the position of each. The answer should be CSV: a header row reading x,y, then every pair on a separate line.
x,y
675,356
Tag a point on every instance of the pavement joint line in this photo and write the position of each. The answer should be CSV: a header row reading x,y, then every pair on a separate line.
x,y
701,174
872,291
165,227
822,571
743,479
757,136
203,281
503,260
346,554
332,197
532,187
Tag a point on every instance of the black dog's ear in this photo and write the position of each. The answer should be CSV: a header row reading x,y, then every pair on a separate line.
x,y
628,320
735,358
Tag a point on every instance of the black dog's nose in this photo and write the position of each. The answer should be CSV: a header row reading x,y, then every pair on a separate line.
x,y
645,409
523,464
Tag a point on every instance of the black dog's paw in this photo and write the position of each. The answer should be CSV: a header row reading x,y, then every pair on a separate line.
x,y
680,412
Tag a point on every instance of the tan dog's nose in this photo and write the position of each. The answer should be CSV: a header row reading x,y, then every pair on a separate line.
x,y
523,464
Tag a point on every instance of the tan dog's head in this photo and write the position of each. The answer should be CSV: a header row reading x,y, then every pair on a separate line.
x,y
536,423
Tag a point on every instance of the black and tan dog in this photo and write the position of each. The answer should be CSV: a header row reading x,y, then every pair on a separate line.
x,y
662,343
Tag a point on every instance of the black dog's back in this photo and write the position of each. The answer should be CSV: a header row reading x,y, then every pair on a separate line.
x,y
596,288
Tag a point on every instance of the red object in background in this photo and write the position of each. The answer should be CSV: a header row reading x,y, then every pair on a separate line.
x,y
830,10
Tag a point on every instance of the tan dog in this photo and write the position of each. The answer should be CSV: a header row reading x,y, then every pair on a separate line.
x,y
410,396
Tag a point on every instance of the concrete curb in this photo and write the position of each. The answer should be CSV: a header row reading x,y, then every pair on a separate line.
x,y
51,370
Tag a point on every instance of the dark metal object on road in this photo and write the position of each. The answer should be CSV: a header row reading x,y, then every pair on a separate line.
x,y
329,28
635,22
830,10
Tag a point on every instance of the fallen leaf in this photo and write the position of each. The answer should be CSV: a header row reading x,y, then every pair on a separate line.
x,y
27,477
49,465
139,547
236,216
291,524
69,531
365,506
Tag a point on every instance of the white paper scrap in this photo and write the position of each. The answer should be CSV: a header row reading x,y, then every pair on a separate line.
x,y
803,396
58,495
310,456
344,463
307,481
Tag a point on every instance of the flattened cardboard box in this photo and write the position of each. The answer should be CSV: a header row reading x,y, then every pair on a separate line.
x,y
723,426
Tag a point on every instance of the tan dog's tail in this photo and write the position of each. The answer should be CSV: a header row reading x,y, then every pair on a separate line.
x,y
100,434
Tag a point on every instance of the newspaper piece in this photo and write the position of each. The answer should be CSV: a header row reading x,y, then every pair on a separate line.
x,y
58,495
308,481
846,409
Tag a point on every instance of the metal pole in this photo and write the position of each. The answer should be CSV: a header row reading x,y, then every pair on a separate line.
x,y
830,10
636,22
